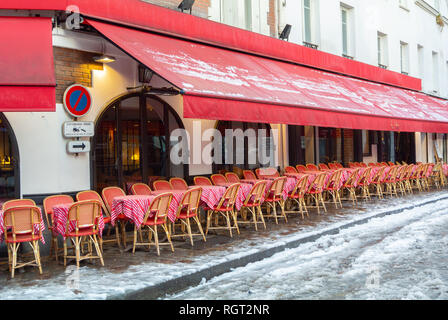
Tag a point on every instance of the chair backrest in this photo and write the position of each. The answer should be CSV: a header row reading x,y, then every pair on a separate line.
x,y
202,181
352,178
50,201
363,165
371,164
323,166
162,185
190,201
300,168
365,176
179,183
141,189
319,183
390,163
335,180
312,167
109,194
18,202
232,177
92,195
159,207
276,189
256,194
218,179
290,169
85,213
229,198
333,166
249,174
21,220
379,176
384,164
301,186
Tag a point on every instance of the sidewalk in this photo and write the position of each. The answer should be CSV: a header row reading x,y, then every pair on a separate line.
x,y
144,275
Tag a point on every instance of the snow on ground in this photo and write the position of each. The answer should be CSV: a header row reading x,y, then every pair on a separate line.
x,y
331,267
401,256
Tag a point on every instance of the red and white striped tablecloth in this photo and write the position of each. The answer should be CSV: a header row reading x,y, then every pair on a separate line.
x,y
60,218
37,227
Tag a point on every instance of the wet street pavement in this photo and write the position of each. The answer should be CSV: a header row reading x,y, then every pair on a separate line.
x,y
396,256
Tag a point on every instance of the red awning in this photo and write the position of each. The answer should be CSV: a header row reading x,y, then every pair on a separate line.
x,y
226,85
27,80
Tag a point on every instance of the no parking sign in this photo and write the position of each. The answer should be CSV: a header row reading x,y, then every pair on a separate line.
x,y
77,100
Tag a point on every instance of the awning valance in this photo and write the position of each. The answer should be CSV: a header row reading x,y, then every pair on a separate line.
x,y
227,85
27,80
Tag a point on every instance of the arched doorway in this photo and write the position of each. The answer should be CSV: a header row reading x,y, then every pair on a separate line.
x,y
131,142
9,162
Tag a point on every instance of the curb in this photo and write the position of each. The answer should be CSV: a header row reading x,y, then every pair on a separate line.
x,y
178,284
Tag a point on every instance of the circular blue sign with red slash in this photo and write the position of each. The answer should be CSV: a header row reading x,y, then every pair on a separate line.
x,y
77,100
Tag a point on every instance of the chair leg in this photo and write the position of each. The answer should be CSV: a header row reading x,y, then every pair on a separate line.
x,y
168,236
189,230
78,250
98,251
196,218
260,213
15,248
228,223
156,239
35,247
65,252
135,239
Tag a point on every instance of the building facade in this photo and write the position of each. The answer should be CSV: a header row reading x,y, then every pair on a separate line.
x,y
132,127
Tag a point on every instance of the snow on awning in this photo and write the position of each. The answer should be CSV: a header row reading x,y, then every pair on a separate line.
x,y
222,84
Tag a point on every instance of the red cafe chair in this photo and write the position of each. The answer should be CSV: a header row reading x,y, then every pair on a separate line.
x,y
218,179
48,204
301,168
312,167
298,195
232,177
93,195
225,208
253,203
202,181
290,169
179,184
323,166
108,195
162,185
19,223
249,175
189,209
85,214
141,189
274,198
156,215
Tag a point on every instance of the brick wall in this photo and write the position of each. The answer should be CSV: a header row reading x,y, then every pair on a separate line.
x,y
200,7
272,14
73,66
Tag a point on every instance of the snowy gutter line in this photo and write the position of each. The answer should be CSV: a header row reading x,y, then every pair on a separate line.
x,y
192,279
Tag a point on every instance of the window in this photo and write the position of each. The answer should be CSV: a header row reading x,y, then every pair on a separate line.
x,y
435,72
382,50
421,62
347,31
404,56
310,23
245,151
437,5
248,13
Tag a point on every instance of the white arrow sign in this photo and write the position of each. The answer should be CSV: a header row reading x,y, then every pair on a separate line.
x,y
78,146
74,129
